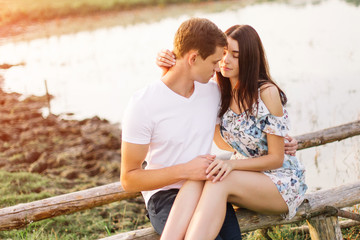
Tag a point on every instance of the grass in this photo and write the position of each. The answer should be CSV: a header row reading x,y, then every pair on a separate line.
x,y
277,232
90,224
94,223
24,187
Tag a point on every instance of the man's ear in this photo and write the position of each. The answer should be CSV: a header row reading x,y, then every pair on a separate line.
x,y
192,57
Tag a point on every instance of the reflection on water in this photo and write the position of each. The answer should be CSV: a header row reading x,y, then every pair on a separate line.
x,y
313,56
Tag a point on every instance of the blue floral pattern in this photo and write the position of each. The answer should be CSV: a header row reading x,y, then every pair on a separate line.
x,y
247,135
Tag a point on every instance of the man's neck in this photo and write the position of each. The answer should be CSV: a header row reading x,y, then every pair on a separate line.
x,y
178,79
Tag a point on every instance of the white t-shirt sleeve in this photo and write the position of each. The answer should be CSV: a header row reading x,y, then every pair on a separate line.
x,y
136,127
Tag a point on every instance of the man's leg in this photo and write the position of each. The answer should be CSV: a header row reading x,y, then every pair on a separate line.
x,y
159,207
230,229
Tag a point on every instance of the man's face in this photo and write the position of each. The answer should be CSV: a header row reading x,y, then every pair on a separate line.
x,y
204,69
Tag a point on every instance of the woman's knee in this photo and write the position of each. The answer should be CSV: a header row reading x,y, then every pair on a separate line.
x,y
194,183
220,187
193,186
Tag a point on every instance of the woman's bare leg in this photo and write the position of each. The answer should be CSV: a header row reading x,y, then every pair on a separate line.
x,y
182,210
252,190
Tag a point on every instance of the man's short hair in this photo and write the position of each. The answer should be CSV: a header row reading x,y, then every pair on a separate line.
x,y
198,34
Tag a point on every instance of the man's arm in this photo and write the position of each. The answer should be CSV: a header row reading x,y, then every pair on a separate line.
x,y
133,178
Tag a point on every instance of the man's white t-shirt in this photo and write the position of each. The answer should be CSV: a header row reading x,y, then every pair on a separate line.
x,y
178,129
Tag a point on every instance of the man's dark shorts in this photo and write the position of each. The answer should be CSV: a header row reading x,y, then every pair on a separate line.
x,y
159,207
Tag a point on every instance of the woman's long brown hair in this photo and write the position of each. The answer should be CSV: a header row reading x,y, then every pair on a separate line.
x,y
253,71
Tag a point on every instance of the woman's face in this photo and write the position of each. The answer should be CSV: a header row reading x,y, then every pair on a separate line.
x,y
229,64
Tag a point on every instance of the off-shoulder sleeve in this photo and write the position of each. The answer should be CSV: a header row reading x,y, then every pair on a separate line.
x,y
271,124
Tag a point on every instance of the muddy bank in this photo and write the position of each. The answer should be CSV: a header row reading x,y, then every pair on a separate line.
x,y
30,30
54,146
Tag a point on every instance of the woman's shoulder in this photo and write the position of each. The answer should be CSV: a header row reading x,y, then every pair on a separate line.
x,y
268,88
270,96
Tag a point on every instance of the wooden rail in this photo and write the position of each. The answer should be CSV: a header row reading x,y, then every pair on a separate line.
x,y
20,215
315,205
328,135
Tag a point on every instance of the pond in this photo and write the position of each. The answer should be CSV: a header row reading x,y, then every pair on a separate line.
x,y
312,47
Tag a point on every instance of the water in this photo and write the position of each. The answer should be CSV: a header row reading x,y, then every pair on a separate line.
x,y
312,47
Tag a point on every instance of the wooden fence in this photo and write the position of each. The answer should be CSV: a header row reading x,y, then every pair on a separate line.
x,y
320,209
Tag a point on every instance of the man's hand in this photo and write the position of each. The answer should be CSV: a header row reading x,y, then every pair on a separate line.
x,y
290,146
196,168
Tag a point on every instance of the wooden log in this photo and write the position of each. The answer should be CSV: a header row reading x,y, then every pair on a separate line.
x,y
328,135
324,228
315,205
347,214
343,224
144,234
20,215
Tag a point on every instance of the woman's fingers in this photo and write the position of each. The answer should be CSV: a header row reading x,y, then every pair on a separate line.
x,y
166,58
211,166
225,174
216,169
167,54
213,169
219,175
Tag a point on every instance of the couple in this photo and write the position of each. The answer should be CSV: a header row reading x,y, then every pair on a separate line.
x,y
171,125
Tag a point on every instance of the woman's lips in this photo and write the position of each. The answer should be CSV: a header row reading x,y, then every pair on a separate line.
x,y
225,68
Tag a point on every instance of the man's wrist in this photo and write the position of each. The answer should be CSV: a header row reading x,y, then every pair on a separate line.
x,y
180,171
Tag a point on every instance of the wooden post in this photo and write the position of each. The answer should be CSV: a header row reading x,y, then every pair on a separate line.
x,y
324,228
48,97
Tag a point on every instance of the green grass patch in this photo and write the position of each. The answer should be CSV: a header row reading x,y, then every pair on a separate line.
x,y
90,224
22,187
277,232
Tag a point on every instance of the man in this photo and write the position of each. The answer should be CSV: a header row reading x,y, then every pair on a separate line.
x,y
170,125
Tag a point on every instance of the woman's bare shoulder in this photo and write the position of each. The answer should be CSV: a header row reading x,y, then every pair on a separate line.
x,y
270,95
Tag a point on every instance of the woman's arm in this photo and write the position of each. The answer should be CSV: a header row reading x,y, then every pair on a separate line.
x,y
220,142
275,157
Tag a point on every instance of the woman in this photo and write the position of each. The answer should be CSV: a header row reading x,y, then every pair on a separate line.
x,y
253,122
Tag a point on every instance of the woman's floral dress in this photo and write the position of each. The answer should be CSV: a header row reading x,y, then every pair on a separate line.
x,y
247,135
